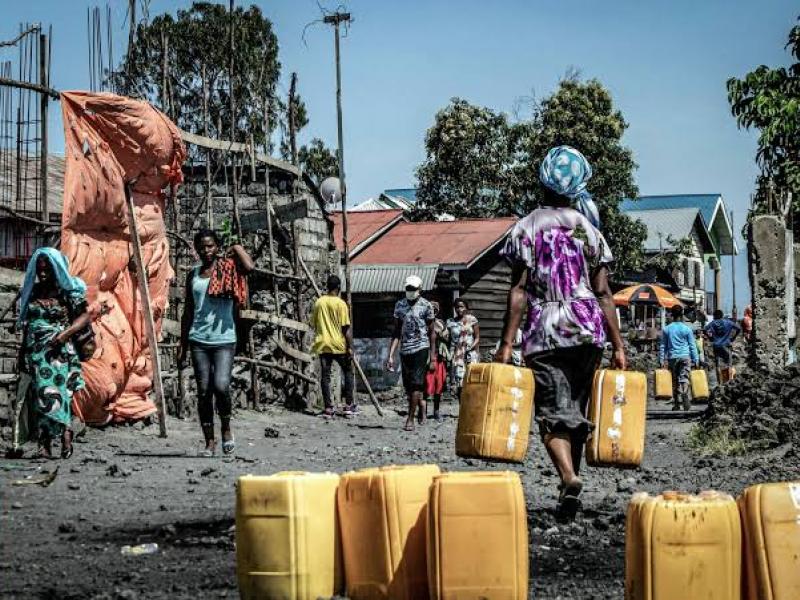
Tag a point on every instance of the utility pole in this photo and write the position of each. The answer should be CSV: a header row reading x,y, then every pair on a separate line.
x,y
734,310
336,20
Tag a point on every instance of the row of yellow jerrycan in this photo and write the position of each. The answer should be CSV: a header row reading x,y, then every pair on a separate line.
x,y
497,402
400,533
698,380
685,546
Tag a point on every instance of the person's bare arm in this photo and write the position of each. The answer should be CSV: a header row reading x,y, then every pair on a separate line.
x,y
432,341
393,344
243,258
606,300
515,309
476,329
79,323
186,320
347,331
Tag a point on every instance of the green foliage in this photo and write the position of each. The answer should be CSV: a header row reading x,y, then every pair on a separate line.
x,y
671,257
318,161
227,233
479,164
715,442
470,166
198,39
769,100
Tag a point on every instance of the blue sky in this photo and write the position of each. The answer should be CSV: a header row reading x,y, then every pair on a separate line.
x,y
665,63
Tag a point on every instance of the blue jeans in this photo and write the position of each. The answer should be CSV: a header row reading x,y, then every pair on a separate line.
x,y
212,371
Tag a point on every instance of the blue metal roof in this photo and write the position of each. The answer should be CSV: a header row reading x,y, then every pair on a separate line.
x,y
409,194
706,203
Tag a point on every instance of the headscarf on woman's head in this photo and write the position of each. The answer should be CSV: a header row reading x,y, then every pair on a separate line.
x,y
69,285
566,171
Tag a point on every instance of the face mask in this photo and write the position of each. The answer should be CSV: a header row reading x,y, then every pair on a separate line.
x,y
412,295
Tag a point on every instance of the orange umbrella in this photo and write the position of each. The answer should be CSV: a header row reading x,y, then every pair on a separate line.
x,y
654,295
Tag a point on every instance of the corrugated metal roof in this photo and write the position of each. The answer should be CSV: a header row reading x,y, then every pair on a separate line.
x,y
30,180
711,206
384,279
677,223
407,194
705,203
453,243
362,226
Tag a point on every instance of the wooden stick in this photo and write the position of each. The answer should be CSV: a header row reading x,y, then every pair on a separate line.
x,y
144,290
274,365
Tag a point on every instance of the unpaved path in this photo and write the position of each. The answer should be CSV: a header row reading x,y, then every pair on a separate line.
x,y
63,541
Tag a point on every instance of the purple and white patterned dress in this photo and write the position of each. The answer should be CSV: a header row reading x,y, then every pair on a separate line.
x,y
560,248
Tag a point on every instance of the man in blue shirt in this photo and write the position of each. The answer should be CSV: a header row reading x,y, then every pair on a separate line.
x,y
678,352
722,332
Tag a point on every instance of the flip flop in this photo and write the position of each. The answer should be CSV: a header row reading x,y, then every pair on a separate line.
x,y
228,446
569,501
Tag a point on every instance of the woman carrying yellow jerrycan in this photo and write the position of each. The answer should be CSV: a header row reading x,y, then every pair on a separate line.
x,y
560,282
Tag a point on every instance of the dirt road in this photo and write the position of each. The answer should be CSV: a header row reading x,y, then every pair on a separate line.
x,y
64,541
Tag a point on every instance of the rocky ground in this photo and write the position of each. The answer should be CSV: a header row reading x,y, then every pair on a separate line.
x,y
127,486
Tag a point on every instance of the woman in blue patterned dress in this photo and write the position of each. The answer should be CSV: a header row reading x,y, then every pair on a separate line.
x,y
52,311
560,263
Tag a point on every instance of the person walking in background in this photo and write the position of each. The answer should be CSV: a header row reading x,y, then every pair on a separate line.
x,y
214,290
435,380
678,352
722,332
465,338
415,334
333,342
747,324
52,311
560,264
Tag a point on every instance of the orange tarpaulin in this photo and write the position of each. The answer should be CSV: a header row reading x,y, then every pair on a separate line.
x,y
645,294
111,140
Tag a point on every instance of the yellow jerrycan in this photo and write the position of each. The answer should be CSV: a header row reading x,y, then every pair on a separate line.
x,y
679,546
287,542
382,516
495,413
663,381
477,537
618,410
699,381
771,529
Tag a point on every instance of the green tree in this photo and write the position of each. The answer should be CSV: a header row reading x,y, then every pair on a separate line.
x,y
197,46
769,100
318,161
469,170
479,164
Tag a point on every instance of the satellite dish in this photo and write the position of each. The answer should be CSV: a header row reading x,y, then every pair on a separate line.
x,y
331,190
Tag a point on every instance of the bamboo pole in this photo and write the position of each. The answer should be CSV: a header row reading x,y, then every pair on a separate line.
x,y
150,326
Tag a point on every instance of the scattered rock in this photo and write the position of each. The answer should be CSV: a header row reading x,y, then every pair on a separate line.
x,y
73,486
17,505
193,481
66,527
207,471
271,432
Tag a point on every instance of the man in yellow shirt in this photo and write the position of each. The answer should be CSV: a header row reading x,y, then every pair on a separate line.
x,y
330,319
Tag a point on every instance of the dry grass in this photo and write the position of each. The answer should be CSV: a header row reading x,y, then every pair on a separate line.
x,y
717,442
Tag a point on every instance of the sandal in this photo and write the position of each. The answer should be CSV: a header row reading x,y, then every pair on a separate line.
x,y
569,500
228,446
208,451
66,444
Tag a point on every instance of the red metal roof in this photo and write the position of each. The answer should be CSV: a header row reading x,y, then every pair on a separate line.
x,y
362,226
457,243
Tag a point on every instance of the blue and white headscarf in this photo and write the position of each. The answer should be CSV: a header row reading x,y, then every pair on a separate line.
x,y
71,286
566,171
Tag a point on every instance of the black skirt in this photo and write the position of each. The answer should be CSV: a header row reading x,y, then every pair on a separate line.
x,y
563,383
